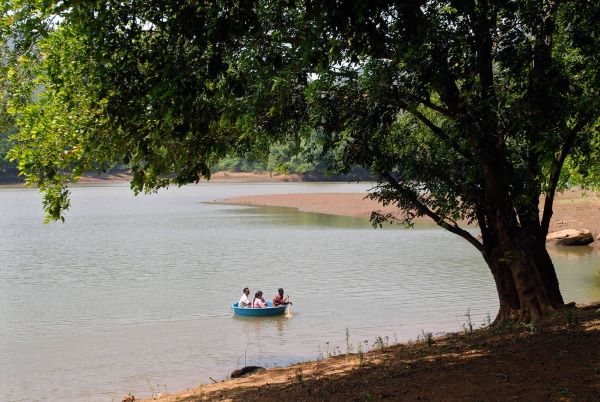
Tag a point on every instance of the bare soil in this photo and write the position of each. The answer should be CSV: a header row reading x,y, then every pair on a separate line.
x,y
554,360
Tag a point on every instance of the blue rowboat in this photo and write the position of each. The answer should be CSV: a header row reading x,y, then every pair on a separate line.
x,y
259,312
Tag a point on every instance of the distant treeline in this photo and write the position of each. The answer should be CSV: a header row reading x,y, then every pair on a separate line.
x,y
281,160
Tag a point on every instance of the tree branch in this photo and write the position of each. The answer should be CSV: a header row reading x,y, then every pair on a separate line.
x,y
436,108
555,175
423,209
441,134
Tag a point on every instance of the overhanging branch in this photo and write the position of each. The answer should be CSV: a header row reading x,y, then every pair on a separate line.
x,y
555,175
441,134
423,209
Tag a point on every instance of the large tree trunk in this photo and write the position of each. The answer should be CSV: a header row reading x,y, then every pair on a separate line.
x,y
523,271
535,236
547,272
505,286
521,290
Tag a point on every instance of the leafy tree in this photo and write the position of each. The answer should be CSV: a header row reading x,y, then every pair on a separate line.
x,y
465,110
7,122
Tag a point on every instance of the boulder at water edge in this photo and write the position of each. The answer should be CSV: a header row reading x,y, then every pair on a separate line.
x,y
244,371
571,237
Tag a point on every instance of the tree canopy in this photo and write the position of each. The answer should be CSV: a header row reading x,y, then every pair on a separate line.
x,y
464,110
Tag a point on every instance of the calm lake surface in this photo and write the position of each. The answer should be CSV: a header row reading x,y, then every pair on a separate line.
x,y
133,294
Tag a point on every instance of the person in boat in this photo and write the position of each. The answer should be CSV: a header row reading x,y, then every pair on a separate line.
x,y
279,300
258,301
244,301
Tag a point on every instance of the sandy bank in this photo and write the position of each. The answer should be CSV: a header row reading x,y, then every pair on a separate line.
x,y
217,177
572,209
346,204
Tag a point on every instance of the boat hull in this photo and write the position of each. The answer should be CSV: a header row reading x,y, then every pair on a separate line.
x,y
258,312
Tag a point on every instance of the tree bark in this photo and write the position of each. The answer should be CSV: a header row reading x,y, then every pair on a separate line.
x,y
547,272
523,271
507,292
524,293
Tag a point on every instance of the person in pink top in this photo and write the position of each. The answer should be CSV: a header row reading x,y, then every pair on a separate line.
x,y
258,301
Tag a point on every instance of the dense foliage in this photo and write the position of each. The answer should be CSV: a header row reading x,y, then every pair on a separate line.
x,y
465,110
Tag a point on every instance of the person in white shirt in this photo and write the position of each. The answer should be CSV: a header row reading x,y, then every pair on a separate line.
x,y
244,301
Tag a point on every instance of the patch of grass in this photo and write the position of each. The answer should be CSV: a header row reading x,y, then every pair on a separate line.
x,y
530,326
361,356
349,346
427,337
564,392
572,318
509,324
299,376
379,343
468,326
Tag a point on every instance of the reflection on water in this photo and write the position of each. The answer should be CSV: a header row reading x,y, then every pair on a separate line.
x,y
578,270
261,326
291,216
136,291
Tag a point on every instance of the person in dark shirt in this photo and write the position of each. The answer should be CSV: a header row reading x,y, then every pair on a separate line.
x,y
278,300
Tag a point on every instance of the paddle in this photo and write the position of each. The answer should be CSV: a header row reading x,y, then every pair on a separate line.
x,y
288,313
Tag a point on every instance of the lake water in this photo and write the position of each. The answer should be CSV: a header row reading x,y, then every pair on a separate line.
x,y
133,294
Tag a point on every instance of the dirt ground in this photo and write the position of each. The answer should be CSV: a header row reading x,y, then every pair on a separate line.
x,y
554,360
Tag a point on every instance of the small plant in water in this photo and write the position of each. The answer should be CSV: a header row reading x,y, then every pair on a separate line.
x,y
378,343
468,326
487,321
319,354
349,347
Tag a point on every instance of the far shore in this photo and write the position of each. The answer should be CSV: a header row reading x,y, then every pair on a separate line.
x,y
573,209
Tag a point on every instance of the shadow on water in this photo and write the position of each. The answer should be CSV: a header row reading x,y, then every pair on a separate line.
x,y
578,271
289,216
255,326
577,252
